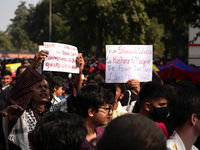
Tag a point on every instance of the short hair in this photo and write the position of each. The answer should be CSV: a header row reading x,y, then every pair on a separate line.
x,y
185,84
5,72
93,76
57,81
92,96
109,86
152,91
132,132
183,104
60,131
121,86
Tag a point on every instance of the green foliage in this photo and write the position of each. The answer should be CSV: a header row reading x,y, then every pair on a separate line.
x,y
5,41
176,16
16,30
91,24
154,34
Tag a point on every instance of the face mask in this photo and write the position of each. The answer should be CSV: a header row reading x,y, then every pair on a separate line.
x,y
159,114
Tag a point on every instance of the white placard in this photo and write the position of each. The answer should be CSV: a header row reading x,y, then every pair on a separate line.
x,y
61,58
124,62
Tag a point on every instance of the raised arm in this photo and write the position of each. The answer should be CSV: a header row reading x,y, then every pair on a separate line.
x,y
134,84
78,78
39,57
24,88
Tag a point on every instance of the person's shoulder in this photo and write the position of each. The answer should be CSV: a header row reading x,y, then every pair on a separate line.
x,y
171,145
194,148
100,130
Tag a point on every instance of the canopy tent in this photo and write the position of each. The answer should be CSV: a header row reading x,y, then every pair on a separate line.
x,y
180,64
179,70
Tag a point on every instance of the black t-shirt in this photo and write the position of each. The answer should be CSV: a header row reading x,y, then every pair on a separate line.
x,y
124,100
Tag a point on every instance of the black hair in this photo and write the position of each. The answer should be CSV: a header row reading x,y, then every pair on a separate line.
x,y
5,72
183,104
152,91
48,74
185,84
92,96
121,86
57,81
99,80
109,86
132,132
60,131
93,76
87,66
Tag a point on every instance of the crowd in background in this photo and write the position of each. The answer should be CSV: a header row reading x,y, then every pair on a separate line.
x,y
57,110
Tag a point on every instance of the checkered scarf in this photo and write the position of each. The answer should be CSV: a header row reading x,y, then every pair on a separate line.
x,y
24,125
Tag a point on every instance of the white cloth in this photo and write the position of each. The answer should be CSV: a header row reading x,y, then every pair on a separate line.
x,y
55,100
119,111
175,143
61,106
5,86
26,124
19,133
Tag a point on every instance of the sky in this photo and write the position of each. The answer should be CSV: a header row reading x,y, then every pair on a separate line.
x,y
7,11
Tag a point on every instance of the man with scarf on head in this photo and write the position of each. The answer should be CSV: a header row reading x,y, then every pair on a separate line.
x,y
153,98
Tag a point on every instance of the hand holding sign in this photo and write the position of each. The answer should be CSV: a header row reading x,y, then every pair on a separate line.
x,y
80,62
134,84
61,58
39,57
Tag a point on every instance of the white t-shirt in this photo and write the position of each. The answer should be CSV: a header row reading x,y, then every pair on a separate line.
x,y
175,143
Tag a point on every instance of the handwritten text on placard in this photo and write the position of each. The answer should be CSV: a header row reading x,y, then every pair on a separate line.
x,y
124,62
61,58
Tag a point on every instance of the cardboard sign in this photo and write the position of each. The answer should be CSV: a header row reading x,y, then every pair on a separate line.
x,y
61,58
124,62
12,67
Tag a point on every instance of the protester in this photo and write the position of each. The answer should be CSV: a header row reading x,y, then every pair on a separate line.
x,y
4,94
118,110
60,131
58,86
95,105
3,99
185,114
6,79
153,98
32,93
132,132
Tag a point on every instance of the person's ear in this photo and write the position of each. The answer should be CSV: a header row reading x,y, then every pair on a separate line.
x,y
147,106
193,119
121,96
91,112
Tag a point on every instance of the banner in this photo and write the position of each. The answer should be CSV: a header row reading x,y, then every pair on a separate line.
x,y
61,58
124,62
12,68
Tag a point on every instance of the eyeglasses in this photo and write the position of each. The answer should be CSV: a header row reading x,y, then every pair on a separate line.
x,y
106,108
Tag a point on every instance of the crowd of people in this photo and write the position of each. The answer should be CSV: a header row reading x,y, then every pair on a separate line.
x,y
43,110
